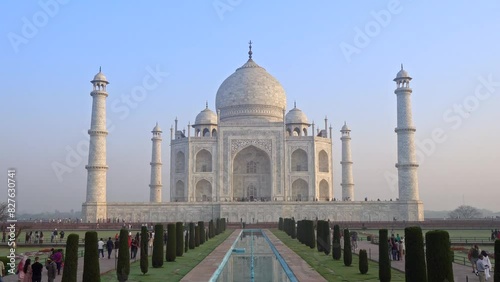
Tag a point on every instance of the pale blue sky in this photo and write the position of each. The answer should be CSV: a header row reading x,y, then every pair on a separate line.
x,y
50,52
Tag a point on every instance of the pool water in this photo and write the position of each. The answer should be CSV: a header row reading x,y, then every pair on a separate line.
x,y
253,258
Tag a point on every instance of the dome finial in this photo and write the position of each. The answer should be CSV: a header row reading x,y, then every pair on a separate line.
x,y
99,68
401,66
294,104
206,104
250,49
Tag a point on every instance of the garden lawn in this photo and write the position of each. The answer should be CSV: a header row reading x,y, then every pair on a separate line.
x,y
330,269
171,271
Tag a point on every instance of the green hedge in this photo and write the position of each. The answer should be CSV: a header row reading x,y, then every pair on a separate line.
x,y
347,248
201,224
280,224
363,262
192,236
123,264
179,228
91,271
384,269
439,266
336,249
496,274
171,242
415,256
157,259
144,250
197,236
71,259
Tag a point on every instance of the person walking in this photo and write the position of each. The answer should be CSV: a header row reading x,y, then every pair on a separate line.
x,y
100,247
36,271
51,270
109,246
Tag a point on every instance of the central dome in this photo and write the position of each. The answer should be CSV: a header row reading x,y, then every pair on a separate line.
x,y
251,93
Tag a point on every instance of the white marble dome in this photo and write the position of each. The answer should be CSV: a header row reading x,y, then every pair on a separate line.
x,y
156,128
100,77
296,116
402,74
206,116
251,92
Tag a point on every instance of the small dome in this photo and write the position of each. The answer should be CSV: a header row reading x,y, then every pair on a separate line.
x,y
100,76
157,128
206,116
402,74
345,128
295,115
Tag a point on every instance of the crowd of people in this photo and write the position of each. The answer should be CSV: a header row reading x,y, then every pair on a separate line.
x,y
397,247
32,272
480,262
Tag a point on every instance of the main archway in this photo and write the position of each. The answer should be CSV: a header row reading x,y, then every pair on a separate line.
x,y
252,175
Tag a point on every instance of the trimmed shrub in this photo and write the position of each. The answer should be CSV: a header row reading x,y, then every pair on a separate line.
x,y
384,268
319,235
223,224
496,274
293,231
144,250
363,262
211,231
179,228
123,264
347,248
71,259
91,271
186,242
157,259
439,266
171,242
311,235
197,236
192,236
326,236
415,256
336,249
217,226
280,224
201,225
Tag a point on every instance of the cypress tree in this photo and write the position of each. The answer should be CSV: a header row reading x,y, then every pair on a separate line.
x,y
384,268
197,236
157,259
347,248
217,226
280,224
144,250
327,237
439,266
171,242
496,274
201,224
363,262
293,230
319,236
91,271
415,256
211,229
223,224
336,249
186,242
71,259
123,264
179,228
192,236
312,236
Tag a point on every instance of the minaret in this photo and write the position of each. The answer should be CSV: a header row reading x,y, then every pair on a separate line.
x,y
155,186
347,179
94,208
407,161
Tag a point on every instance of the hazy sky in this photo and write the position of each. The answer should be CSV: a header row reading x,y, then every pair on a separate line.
x,y
335,58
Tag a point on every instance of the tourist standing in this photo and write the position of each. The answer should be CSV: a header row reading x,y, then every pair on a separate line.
x,y
51,270
36,271
487,264
20,269
100,247
28,271
57,259
480,268
109,246
133,249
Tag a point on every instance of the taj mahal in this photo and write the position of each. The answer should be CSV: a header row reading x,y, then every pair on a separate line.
x,y
251,160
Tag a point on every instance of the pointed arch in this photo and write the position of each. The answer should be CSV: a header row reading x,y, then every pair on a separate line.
x,y
300,190
323,161
203,161
180,162
252,175
179,191
299,160
324,188
203,191
214,132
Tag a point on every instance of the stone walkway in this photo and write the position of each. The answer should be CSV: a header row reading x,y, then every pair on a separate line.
x,y
460,272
